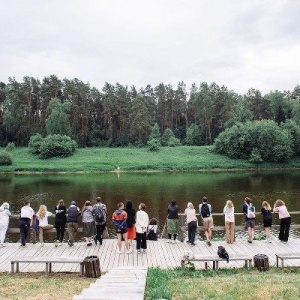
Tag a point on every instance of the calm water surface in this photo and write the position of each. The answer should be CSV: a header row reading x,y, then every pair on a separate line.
x,y
156,190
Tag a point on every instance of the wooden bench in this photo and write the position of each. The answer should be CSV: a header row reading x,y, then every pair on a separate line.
x,y
46,260
283,256
216,259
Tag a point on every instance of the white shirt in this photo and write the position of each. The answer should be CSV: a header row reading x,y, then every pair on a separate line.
x,y
4,216
229,214
141,222
44,221
27,212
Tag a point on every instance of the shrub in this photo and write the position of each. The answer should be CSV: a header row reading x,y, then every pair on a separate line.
x,y
193,135
5,158
34,144
154,145
167,135
10,147
173,142
257,141
57,146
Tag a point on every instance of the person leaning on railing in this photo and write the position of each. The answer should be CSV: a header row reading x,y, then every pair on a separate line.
x,y
25,221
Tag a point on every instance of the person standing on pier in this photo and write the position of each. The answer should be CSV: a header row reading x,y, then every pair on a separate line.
x,y
266,212
88,222
73,213
285,220
42,216
142,222
191,221
249,212
229,221
60,221
208,222
4,221
25,221
173,221
131,230
100,216
119,218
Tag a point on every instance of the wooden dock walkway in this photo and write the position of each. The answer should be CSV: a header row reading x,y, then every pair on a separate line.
x,y
160,253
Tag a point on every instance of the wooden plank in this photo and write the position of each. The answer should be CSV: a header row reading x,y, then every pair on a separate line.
x,y
159,253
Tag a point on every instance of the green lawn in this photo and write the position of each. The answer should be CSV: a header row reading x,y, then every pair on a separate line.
x,y
224,284
183,158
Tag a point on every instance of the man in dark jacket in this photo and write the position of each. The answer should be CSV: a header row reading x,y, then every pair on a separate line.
x,y
73,213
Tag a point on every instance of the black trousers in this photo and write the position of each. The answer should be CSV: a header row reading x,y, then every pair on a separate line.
x,y
60,229
284,231
192,227
141,241
24,229
99,232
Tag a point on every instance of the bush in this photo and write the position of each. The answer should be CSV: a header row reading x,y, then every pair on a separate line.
x,y
154,145
57,146
5,158
257,141
10,147
173,142
193,135
35,143
167,135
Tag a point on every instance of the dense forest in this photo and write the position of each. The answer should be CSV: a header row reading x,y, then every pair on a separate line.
x,y
120,115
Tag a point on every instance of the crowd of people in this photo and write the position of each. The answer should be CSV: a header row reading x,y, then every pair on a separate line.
x,y
133,225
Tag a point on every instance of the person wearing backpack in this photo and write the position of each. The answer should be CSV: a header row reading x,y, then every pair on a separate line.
x,y
99,213
208,223
249,212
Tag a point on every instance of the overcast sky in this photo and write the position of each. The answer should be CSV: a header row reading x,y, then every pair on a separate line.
x,y
236,43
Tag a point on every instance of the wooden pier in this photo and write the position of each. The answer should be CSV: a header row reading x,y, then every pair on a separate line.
x,y
160,253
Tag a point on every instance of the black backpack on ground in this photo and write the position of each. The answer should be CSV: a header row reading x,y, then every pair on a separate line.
x,y
205,210
223,253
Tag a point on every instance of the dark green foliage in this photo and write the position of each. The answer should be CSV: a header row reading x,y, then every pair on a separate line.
x,y
168,139
57,146
173,142
294,131
155,132
35,143
193,135
154,145
5,158
258,141
255,156
10,147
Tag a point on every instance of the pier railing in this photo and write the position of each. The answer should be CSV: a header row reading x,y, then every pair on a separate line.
x,y
200,228
164,232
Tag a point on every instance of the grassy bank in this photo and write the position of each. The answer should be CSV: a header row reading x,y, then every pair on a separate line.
x,y
39,286
230,284
184,158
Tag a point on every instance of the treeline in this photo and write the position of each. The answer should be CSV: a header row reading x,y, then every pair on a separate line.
x,y
120,115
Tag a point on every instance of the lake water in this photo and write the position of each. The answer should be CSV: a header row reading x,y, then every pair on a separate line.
x,y
156,190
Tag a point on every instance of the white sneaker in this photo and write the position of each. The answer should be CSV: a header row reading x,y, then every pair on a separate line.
x,y
129,251
119,252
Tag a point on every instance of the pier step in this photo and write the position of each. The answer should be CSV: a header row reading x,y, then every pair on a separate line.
x,y
119,283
